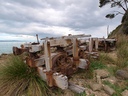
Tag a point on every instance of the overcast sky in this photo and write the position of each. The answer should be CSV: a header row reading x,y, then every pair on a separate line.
x,y
23,19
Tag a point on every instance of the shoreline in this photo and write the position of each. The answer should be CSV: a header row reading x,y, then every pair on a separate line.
x,y
5,54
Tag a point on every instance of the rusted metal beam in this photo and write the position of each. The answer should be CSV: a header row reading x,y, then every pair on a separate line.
x,y
67,37
90,44
96,44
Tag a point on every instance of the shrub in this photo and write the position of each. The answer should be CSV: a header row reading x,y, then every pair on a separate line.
x,y
17,79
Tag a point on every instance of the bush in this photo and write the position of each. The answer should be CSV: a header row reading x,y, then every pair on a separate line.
x,y
17,79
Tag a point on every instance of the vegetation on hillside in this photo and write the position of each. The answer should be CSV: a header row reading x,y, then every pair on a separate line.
x,y
122,51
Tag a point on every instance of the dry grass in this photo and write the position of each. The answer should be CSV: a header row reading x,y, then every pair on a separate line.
x,y
18,79
122,51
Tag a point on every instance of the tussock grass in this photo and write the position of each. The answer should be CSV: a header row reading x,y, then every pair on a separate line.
x,y
122,51
103,60
17,79
101,63
122,40
122,62
106,59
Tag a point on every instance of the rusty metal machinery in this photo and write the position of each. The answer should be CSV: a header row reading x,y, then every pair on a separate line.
x,y
57,58
107,45
64,64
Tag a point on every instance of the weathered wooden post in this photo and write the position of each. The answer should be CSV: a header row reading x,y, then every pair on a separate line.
x,y
96,44
75,51
90,44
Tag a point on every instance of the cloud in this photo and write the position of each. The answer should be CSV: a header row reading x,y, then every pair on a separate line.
x,y
54,17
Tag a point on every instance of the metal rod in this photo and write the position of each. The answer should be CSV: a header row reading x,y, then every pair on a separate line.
x,y
37,38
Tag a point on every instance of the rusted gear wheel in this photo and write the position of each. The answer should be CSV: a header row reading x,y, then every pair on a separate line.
x,y
81,53
63,64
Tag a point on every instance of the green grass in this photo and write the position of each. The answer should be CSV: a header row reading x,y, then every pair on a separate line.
x,y
121,40
84,74
57,92
117,88
81,94
17,79
101,63
97,65
122,51
106,59
94,64
122,63
112,70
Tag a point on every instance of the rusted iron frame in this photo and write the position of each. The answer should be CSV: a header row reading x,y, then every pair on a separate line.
x,y
67,37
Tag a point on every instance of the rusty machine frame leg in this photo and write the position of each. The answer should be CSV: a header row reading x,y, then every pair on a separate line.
x,y
96,44
48,63
90,44
75,52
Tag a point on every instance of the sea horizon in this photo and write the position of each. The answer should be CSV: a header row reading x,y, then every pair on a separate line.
x,y
7,45
12,41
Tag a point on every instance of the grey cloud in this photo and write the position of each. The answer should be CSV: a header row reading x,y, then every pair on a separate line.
x,y
16,16
30,3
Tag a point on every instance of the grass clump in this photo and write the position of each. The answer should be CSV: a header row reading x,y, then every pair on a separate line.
x,y
81,94
101,63
122,51
94,64
121,40
106,59
97,65
117,88
17,79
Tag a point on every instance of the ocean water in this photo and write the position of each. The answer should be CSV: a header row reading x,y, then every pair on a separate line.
x,y
6,47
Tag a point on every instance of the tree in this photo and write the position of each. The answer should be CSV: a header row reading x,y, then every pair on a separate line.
x,y
121,4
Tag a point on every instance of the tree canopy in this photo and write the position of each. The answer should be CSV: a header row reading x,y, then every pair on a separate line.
x,y
123,4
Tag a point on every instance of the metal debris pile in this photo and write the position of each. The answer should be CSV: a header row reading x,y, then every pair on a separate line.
x,y
57,58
